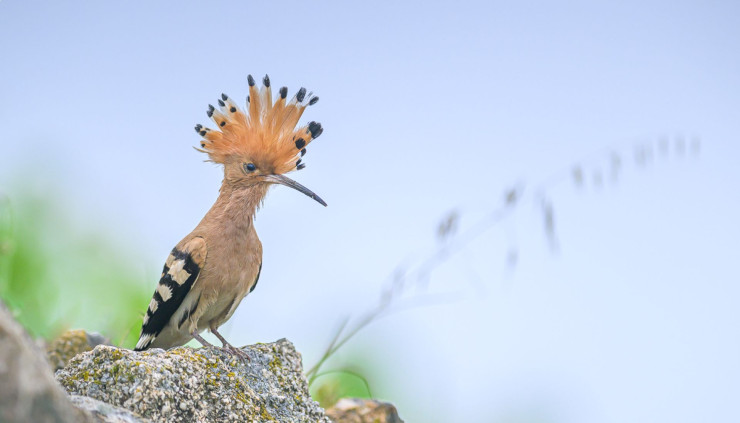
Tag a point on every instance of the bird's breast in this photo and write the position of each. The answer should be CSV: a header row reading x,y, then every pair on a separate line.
x,y
231,269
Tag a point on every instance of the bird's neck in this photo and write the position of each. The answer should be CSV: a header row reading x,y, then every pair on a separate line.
x,y
237,205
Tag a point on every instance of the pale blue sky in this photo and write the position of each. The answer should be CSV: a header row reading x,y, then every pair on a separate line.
x,y
427,106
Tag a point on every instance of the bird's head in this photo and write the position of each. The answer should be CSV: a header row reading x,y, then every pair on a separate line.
x,y
260,145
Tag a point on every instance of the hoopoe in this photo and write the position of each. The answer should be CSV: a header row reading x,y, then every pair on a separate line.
x,y
214,267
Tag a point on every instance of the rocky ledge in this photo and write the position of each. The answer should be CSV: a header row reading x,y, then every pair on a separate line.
x,y
106,384
197,385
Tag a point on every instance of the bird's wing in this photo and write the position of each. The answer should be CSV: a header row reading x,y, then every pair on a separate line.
x,y
257,279
178,276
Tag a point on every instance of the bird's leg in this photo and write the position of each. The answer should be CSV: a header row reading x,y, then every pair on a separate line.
x,y
230,348
202,341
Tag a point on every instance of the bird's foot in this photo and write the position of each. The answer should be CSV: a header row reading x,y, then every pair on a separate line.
x,y
230,348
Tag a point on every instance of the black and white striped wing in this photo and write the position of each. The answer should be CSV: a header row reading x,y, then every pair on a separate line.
x,y
178,276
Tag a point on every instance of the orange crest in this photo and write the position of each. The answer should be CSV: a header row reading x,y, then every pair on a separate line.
x,y
266,134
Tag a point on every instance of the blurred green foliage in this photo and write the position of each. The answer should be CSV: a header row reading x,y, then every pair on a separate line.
x,y
330,386
55,275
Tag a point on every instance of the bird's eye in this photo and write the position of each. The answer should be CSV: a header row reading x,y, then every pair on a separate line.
x,y
249,167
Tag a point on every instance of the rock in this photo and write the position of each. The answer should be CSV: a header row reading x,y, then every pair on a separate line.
x,y
105,413
197,385
69,344
28,391
358,410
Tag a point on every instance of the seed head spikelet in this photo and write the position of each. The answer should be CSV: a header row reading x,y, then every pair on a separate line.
x,y
264,134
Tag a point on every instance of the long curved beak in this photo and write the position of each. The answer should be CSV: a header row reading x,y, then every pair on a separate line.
x,y
284,180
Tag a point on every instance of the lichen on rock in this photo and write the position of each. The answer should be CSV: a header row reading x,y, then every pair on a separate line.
x,y
197,385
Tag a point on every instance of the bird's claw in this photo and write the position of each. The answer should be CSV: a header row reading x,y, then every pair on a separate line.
x,y
238,352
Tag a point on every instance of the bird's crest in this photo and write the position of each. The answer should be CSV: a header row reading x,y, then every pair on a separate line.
x,y
266,133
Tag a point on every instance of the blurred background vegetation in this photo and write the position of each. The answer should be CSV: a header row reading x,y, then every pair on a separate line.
x,y
56,274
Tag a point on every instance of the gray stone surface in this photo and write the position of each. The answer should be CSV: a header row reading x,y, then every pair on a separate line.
x,y
197,385
105,413
28,391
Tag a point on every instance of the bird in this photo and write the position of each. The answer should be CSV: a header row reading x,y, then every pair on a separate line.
x,y
212,269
